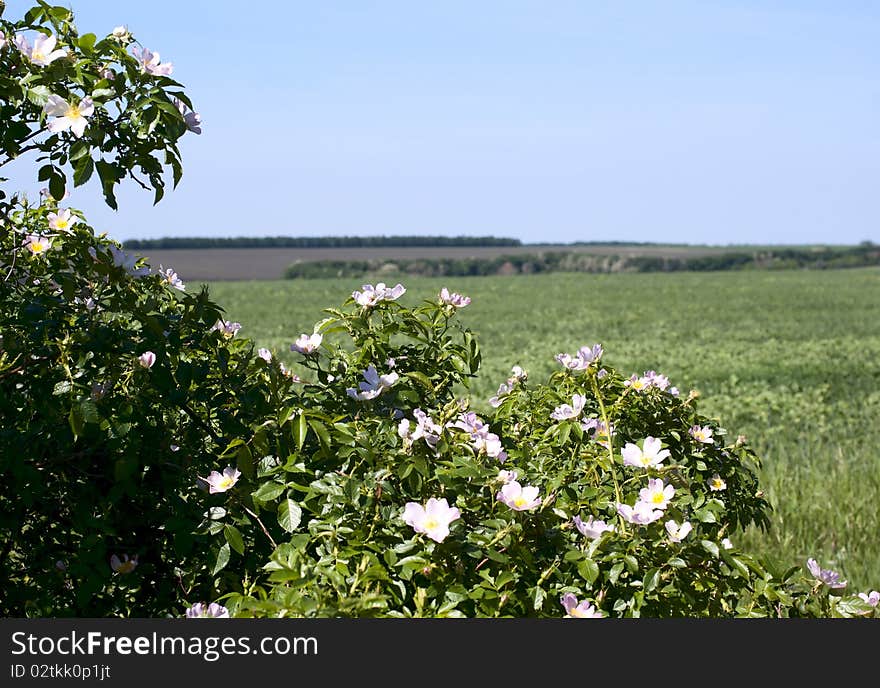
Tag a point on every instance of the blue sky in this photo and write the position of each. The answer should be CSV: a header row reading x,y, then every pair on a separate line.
x,y
688,122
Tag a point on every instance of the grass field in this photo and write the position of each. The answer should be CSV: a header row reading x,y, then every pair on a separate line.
x,y
789,359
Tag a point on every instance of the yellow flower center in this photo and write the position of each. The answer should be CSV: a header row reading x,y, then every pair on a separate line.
x,y
126,567
431,524
37,56
226,482
39,246
520,501
658,498
73,112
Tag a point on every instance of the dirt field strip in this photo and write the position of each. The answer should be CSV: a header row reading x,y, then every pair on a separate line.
x,y
269,263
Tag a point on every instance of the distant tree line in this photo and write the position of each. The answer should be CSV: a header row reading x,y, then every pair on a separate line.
x,y
865,254
318,242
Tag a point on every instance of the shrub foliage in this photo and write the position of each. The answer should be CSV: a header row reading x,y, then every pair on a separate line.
x,y
151,459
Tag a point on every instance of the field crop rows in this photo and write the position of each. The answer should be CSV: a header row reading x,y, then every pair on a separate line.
x,y
789,359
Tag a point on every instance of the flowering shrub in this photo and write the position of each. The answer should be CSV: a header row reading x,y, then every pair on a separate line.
x,y
400,500
154,463
117,396
113,387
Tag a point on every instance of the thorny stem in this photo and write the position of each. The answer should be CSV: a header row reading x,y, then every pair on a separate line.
x,y
609,444
548,571
192,414
498,537
501,533
15,250
262,526
132,175
374,522
486,559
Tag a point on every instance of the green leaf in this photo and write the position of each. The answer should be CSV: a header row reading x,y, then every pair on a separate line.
x,y
289,515
268,491
170,108
76,421
412,563
588,570
502,579
33,15
59,13
343,434
421,378
321,431
854,606
222,559
86,42
404,547
737,564
39,95
78,149
236,442
107,173
57,185
651,580
233,537
285,413
103,93
705,515
62,387
244,461
301,429
710,547
497,556
82,170
176,171
564,431
539,598
89,411
390,557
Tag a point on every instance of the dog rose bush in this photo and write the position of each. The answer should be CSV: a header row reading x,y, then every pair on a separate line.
x,y
407,502
114,389
154,463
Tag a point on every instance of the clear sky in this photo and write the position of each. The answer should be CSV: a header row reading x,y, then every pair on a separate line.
x,y
703,122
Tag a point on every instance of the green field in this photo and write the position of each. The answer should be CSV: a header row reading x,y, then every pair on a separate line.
x,y
791,359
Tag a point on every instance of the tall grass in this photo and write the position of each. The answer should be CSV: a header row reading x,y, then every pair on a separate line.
x,y
790,359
